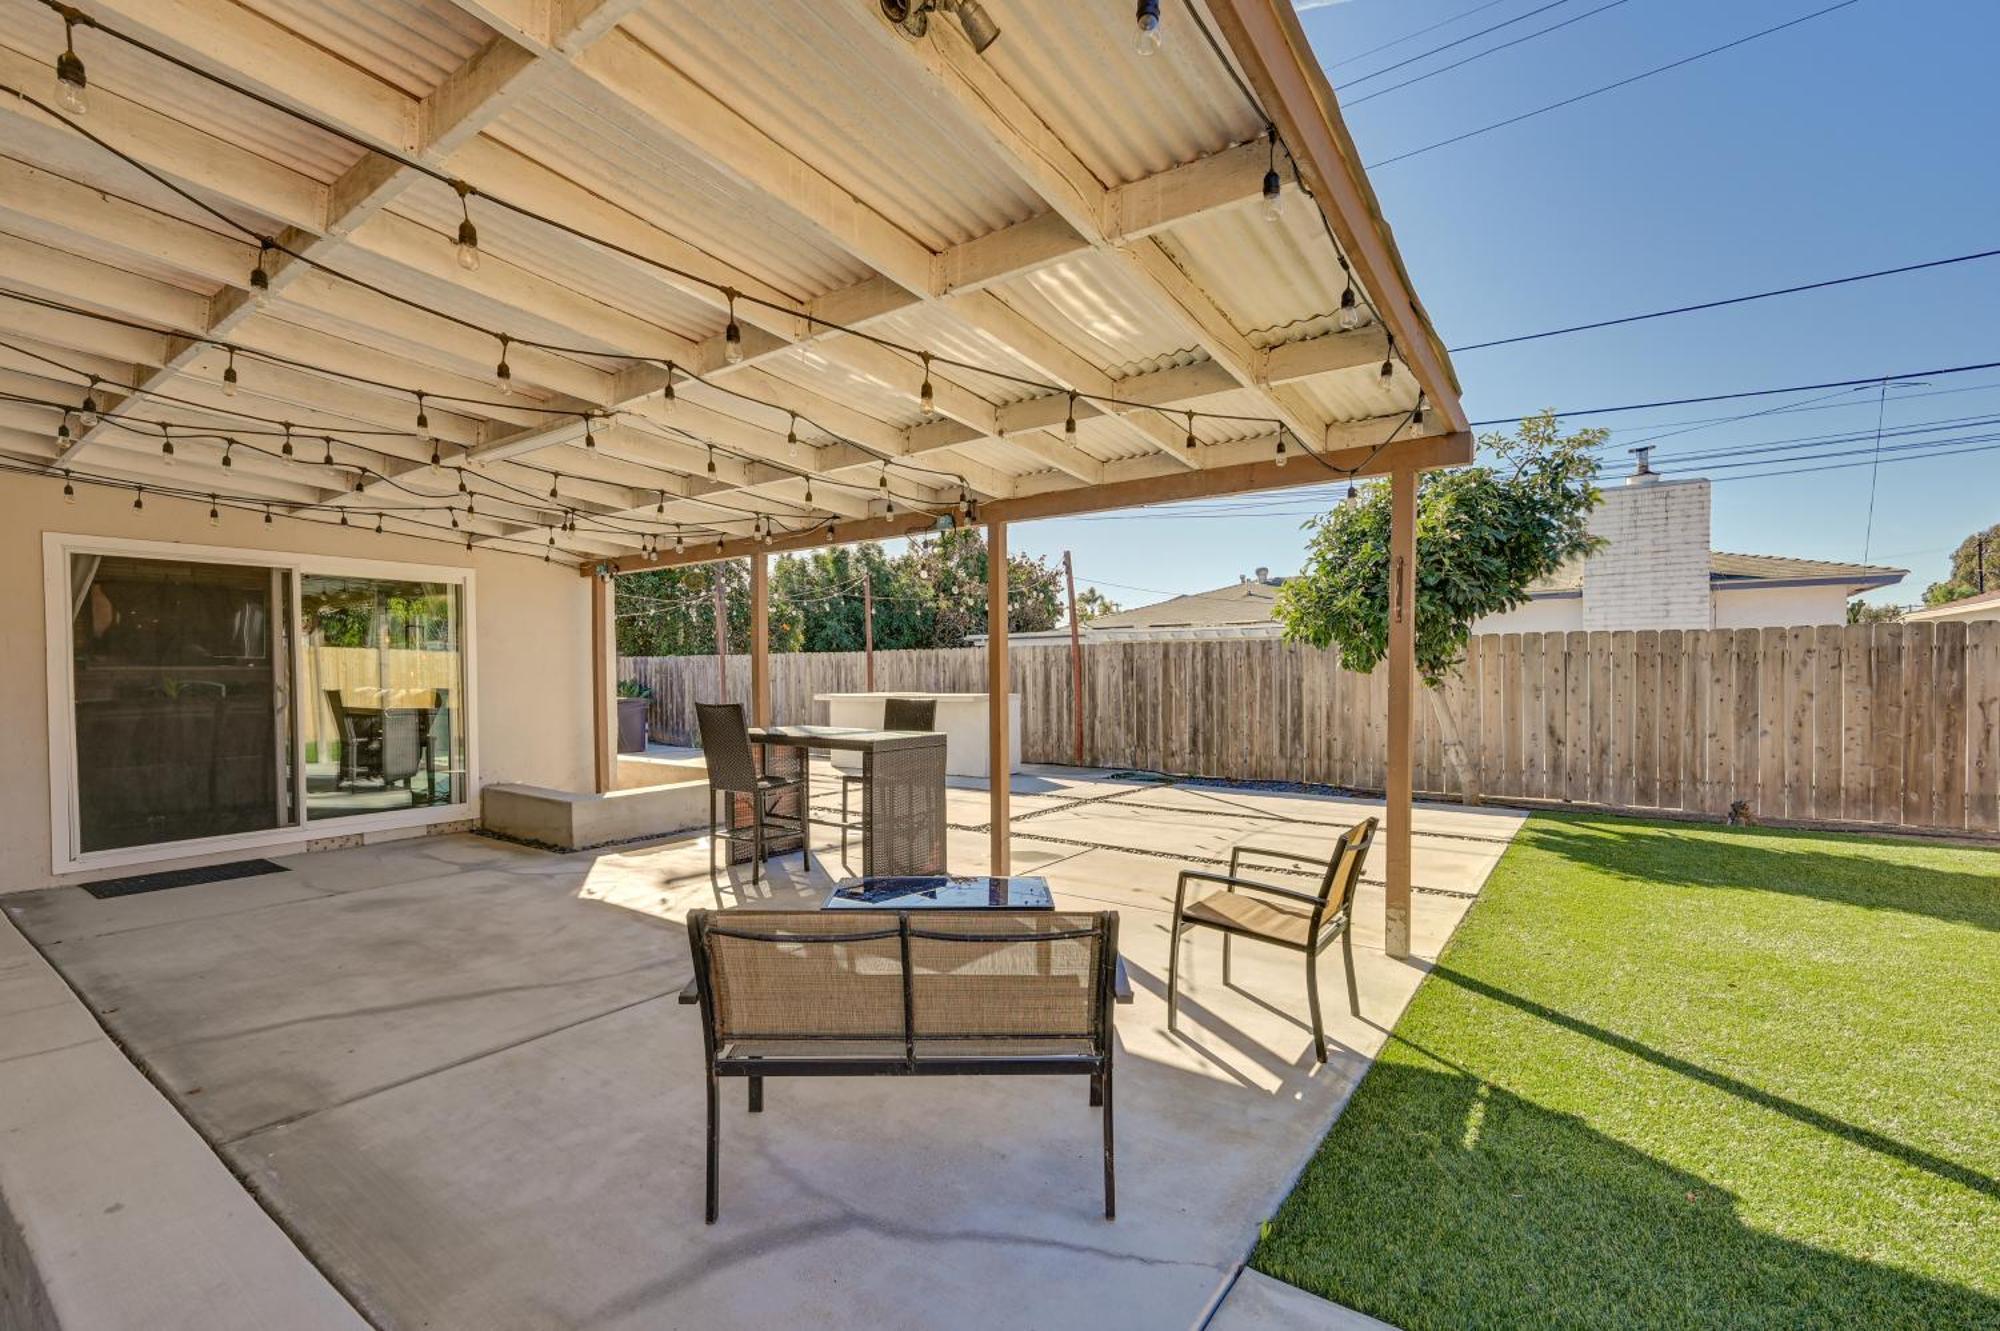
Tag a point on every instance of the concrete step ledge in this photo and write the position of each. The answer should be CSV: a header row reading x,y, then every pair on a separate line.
x,y
1256,1302
572,820
114,1213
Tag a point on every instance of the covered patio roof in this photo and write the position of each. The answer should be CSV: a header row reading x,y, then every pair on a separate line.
x,y
637,282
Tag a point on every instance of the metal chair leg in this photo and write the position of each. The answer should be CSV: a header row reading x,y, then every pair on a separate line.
x,y
1173,977
1347,953
714,1144
1225,960
756,837
1110,1183
1312,994
713,825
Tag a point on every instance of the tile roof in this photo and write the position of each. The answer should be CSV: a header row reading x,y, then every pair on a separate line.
x,y
1725,567
1239,603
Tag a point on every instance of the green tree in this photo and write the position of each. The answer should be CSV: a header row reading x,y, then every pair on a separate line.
x,y
1860,612
1975,566
1091,603
671,611
1485,535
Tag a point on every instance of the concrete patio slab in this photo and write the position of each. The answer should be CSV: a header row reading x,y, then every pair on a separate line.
x,y
470,1091
1258,1303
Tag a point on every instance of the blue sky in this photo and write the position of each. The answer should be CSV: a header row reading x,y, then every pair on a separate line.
x,y
1858,140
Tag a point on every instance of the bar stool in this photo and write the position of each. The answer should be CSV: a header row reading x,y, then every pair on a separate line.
x,y
897,714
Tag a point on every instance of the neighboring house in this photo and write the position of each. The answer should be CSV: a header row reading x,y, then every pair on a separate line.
x,y
1986,605
1655,571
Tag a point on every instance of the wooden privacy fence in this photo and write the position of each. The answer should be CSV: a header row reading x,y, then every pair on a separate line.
x,y
1889,724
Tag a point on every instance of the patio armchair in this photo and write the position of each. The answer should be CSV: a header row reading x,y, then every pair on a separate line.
x,y
897,714
900,993
732,773
1282,916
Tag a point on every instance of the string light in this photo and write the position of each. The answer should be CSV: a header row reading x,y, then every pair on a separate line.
x,y
436,457
423,418
462,489
1389,358
286,447
138,498
86,414
1190,434
1274,199
343,517
792,438
229,375
167,444
267,515
227,445
732,335
1148,18
660,508
667,393
1353,497
1417,412
555,483
927,396
69,491
680,542
62,432
71,83
214,513
711,459
503,372
378,524
468,234
260,278
589,439
809,490
1280,458
327,461
360,480
1349,317
1069,421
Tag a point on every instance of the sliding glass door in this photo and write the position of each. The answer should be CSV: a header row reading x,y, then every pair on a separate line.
x,y
385,693
209,699
180,681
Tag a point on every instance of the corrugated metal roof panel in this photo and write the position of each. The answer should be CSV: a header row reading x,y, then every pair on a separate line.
x,y
113,67
627,159
1098,310
412,45
1277,281
1124,115
828,83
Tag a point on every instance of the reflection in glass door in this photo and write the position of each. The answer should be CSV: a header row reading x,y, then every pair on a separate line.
x,y
384,693
180,684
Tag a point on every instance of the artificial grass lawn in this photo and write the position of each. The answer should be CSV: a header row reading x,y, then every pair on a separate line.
x,y
1670,1075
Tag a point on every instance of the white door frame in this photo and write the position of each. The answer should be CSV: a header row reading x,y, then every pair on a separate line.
x,y
57,547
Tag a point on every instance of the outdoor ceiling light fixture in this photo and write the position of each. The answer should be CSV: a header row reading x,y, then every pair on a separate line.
x,y
1274,198
912,18
468,234
70,80
1148,19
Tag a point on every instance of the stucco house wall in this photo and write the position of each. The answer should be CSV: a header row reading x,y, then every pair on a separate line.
x,y
531,636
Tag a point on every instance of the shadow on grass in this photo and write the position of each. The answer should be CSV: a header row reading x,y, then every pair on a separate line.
x,y
1875,875
1440,1201
1949,1170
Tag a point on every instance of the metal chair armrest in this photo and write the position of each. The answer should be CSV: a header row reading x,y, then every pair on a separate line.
x,y
1232,881
1236,853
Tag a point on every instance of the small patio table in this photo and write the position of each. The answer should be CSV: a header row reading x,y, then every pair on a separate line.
x,y
946,892
903,800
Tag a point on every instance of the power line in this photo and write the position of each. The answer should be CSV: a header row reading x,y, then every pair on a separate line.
x,y
1608,87
1480,55
1728,300
1412,36
1754,392
1459,41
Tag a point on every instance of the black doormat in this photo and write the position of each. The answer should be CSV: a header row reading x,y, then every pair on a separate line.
x,y
159,882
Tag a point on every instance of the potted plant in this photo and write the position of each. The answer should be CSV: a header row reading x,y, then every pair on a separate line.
x,y
633,700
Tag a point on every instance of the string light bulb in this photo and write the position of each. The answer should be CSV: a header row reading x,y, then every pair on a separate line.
x,y
589,437
503,371
667,393
267,515
286,447
436,457
1148,18
1389,359
1280,458
711,459
792,437
927,396
555,485
260,275
732,334
1353,497
229,375
86,414
62,432
1069,421
462,487
660,508
1274,197
327,461
1350,309
167,444
227,446
69,491
1417,412
1191,441
214,514
139,499
72,85
809,490
423,417
680,542
468,234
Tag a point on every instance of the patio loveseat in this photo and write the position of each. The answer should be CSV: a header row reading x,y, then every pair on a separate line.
x,y
899,993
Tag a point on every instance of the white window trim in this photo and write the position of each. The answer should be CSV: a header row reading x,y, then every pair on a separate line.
x,y
57,547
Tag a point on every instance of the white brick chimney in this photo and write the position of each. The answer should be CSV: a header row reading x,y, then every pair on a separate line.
x,y
1653,571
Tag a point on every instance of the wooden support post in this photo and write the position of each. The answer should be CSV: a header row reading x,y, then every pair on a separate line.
x,y
1075,662
1402,704
603,685
760,639
721,633
997,687
868,627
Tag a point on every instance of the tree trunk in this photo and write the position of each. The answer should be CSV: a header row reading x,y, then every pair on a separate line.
x,y
1455,755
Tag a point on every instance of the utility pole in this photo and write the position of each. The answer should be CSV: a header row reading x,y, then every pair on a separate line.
x,y
868,626
1075,659
1979,563
721,635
